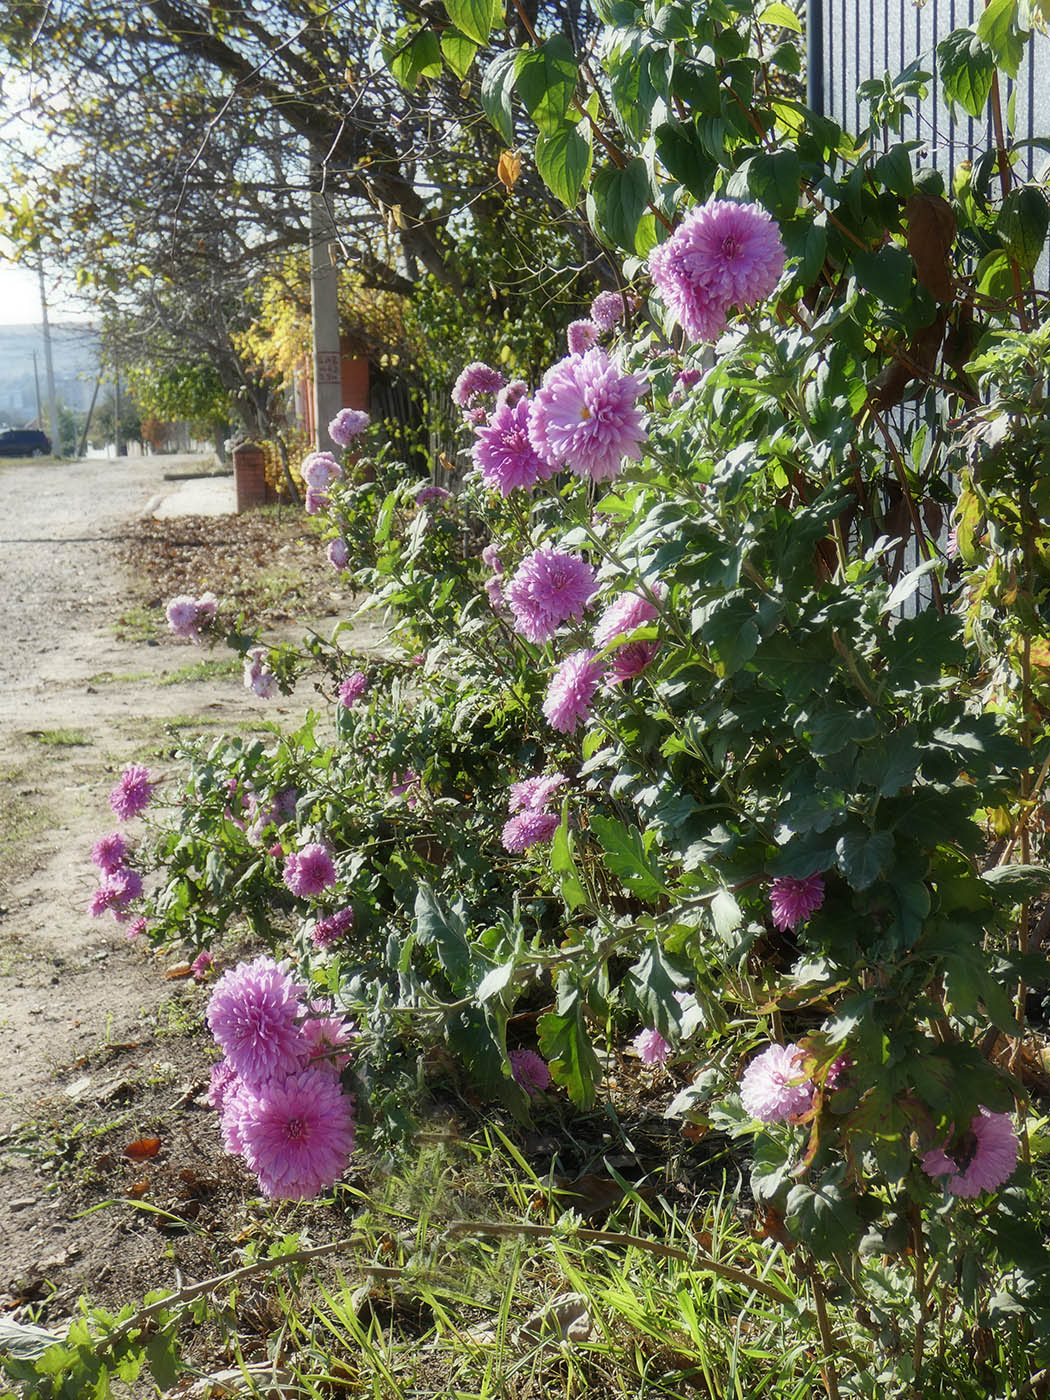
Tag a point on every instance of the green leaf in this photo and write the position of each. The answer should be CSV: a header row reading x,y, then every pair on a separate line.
x,y
682,158
626,854
863,858
771,1171
620,199
1022,224
823,1218
1019,881
495,981
563,863
967,69
546,82
563,159
780,15
497,88
775,180
459,53
160,1356
651,985
726,914
23,1341
444,931
997,27
419,57
471,17
564,1041
888,274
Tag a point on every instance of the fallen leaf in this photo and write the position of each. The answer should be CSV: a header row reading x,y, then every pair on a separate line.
x,y
142,1148
139,1188
178,970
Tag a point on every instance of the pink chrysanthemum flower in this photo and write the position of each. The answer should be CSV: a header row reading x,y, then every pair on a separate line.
x,y
951,544
328,1039
199,966
580,336
297,1134
309,871
527,829
584,416
115,892
338,553
490,558
433,496
235,1099
328,931
319,470
257,676
979,1160
316,501
181,613
353,688
504,454
572,687
511,393
630,661
132,793
494,590
624,614
722,255
207,607
135,929
530,1071
684,382
406,785
549,587
770,1089
533,794
253,1014
650,1047
223,1078
108,852
347,424
474,382
607,310
792,901
475,417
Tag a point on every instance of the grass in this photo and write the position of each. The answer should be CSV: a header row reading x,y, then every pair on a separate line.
x,y
207,670
135,624
62,738
272,586
23,821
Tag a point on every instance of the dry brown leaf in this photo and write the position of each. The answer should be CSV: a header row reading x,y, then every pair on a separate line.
x,y
177,970
142,1149
508,169
931,232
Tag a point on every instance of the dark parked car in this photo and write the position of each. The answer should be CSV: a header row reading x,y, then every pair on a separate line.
x,y
24,442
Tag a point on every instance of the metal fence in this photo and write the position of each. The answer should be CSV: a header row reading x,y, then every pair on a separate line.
x,y
850,41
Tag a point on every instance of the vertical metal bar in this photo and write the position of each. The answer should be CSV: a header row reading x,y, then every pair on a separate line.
x,y
815,56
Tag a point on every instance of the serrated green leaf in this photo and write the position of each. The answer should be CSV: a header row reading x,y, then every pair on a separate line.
x,y
565,1042
863,858
626,854
471,17
563,863
459,53
497,88
546,82
998,28
888,274
780,15
1022,224
563,159
967,69
621,195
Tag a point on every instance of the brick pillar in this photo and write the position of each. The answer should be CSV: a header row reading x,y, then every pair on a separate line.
x,y
249,475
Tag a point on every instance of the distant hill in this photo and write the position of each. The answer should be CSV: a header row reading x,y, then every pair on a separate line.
x,y
74,349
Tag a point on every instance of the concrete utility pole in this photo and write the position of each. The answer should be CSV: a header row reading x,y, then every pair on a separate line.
x,y
36,384
118,437
324,311
52,403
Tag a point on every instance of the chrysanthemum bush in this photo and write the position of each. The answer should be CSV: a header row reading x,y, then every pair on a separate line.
x,y
679,753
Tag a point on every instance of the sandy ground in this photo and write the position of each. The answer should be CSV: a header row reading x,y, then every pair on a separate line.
x,y
76,704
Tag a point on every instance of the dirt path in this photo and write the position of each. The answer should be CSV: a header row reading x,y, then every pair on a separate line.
x,y
76,704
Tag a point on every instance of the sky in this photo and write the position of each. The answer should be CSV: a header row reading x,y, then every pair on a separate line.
x,y
20,299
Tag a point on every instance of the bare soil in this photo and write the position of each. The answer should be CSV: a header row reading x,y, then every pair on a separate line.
x,y
100,1048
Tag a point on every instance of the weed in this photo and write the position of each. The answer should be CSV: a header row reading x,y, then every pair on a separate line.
x,y
207,670
118,677
136,624
62,738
